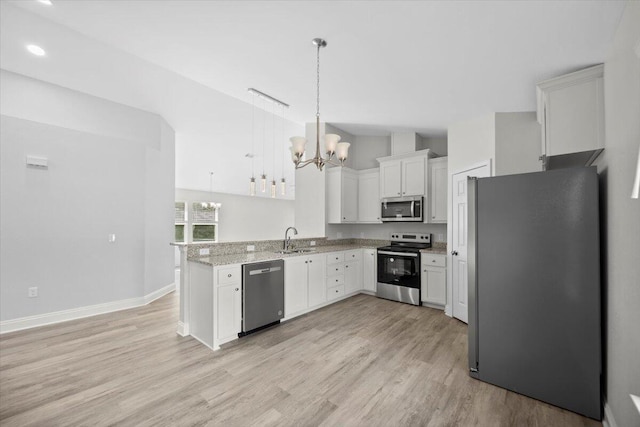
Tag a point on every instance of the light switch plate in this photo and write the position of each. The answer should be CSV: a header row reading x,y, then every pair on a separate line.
x,y
312,243
251,248
204,251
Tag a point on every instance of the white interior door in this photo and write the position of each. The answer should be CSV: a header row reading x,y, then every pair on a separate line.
x,y
459,239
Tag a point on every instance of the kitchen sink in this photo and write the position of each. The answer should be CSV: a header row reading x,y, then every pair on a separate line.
x,y
295,251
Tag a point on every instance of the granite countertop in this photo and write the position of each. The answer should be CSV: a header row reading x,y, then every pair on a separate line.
x,y
249,257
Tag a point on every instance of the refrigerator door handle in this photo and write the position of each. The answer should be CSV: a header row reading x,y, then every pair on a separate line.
x,y
472,279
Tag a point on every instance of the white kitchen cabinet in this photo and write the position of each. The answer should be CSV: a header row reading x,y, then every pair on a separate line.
x,y
391,179
571,112
369,196
342,195
316,284
228,303
296,286
352,271
413,176
438,190
433,280
229,312
404,175
304,284
369,270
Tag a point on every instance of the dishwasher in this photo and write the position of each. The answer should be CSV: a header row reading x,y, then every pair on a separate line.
x,y
262,295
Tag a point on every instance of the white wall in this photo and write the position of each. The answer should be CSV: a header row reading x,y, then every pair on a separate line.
x,y
621,219
366,149
245,218
518,143
110,171
437,145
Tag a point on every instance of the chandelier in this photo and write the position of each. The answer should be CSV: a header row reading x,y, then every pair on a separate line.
x,y
332,143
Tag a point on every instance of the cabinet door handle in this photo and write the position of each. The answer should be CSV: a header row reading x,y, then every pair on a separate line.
x,y
346,266
237,289
454,252
229,275
433,260
310,261
306,262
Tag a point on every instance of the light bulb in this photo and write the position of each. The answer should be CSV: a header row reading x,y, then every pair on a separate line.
x,y
273,189
283,187
342,151
252,186
330,142
263,183
298,143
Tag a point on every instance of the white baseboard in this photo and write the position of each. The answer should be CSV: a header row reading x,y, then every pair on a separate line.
x,y
608,420
81,312
182,329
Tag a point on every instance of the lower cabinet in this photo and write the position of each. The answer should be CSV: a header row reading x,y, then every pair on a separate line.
x,y
369,270
434,280
228,303
304,284
352,271
229,309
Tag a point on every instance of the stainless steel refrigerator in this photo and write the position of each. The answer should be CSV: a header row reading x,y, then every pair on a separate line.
x,y
534,286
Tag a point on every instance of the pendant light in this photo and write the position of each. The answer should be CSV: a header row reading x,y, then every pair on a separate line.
x,y
251,155
273,154
283,183
263,177
332,143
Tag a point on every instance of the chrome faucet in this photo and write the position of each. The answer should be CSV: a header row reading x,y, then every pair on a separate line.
x,y
287,240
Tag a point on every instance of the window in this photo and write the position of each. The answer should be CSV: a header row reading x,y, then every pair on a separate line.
x,y
180,220
204,221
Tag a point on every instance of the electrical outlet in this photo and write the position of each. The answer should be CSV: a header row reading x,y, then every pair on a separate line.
x,y
440,238
33,292
204,251
251,248
312,243
362,235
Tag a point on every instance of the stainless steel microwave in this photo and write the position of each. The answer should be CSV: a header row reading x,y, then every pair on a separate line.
x,y
402,209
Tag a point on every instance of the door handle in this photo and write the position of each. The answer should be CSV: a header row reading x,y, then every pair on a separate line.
x,y
454,252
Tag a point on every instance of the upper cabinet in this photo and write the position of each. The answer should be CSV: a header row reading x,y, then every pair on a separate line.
x,y
404,175
353,196
438,190
571,112
391,179
369,196
342,195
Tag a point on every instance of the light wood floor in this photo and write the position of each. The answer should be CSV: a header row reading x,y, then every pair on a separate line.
x,y
363,361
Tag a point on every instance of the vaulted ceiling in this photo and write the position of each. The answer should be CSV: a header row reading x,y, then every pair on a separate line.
x,y
389,65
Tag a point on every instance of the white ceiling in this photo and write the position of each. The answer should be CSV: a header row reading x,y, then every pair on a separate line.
x,y
389,65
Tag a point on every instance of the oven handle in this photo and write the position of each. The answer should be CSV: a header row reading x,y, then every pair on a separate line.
x,y
398,254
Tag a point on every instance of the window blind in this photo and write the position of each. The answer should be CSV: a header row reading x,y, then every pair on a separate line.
x,y
204,213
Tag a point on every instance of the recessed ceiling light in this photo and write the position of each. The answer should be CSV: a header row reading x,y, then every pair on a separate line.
x,y
36,50
47,2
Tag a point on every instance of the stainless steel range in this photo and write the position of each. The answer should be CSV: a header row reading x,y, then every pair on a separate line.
x,y
399,267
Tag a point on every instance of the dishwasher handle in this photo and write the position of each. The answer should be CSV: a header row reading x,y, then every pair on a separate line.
x,y
264,271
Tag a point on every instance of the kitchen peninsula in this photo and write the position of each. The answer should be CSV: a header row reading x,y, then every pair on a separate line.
x,y
318,272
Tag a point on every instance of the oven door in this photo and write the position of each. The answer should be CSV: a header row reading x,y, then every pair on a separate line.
x,y
399,268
